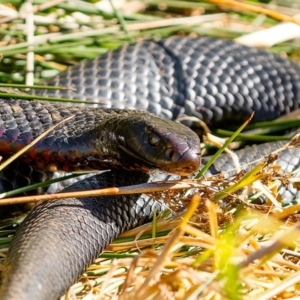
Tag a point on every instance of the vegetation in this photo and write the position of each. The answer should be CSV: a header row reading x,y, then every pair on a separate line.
x,y
233,251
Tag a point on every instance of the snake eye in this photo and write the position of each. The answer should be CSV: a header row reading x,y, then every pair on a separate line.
x,y
153,139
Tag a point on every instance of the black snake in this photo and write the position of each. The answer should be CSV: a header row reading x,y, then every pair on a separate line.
x,y
215,80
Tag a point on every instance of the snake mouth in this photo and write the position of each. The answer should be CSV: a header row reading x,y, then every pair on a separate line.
x,y
180,164
140,162
184,164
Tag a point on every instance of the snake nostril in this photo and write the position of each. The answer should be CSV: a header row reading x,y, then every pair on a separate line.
x,y
169,154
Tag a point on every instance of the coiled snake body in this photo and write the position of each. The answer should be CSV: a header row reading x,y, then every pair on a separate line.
x,y
215,80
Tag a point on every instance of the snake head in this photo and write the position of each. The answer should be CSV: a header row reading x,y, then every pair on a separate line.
x,y
149,142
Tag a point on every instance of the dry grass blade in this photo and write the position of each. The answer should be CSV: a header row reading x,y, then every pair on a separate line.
x,y
281,287
285,240
135,189
257,9
142,292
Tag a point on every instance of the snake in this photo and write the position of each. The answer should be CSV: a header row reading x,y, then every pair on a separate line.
x,y
132,96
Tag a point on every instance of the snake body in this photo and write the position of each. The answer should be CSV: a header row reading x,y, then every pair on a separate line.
x,y
64,237
215,80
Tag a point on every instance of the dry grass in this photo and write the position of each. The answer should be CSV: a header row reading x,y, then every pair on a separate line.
x,y
234,251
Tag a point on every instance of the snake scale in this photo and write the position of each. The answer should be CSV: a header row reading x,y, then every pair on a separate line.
x,y
215,80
